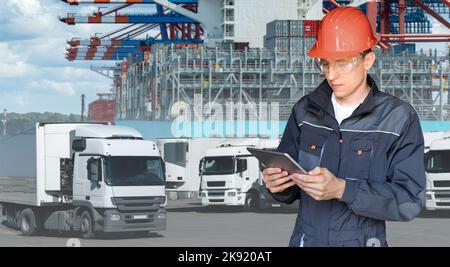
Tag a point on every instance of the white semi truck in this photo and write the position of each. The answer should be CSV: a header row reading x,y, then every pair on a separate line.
x,y
437,165
182,158
429,137
82,177
231,176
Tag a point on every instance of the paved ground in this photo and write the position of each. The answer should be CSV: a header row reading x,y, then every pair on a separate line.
x,y
191,225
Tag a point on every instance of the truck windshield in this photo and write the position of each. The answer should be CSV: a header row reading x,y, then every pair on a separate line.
x,y
218,165
134,171
438,161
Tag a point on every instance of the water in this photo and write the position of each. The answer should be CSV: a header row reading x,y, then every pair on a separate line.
x,y
168,129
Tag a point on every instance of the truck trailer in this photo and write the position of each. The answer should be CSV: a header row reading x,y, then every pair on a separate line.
x,y
82,177
182,158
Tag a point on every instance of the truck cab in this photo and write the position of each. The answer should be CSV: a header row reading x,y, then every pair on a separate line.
x,y
231,176
437,166
120,177
228,173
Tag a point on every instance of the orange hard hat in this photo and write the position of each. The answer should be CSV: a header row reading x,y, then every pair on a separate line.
x,y
343,32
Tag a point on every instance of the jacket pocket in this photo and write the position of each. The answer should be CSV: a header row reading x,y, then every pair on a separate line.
x,y
312,146
359,159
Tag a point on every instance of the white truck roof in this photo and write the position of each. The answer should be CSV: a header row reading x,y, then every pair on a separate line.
x,y
106,131
440,144
429,137
227,151
240,148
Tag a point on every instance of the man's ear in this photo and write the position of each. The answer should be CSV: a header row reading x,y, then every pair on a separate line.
x,y
369,60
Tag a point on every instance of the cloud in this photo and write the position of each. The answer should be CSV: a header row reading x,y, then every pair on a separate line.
x,y
7,55
24,19
15,70
60,87
34,74
25,7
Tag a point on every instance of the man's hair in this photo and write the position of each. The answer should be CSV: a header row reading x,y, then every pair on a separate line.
x,y
366,52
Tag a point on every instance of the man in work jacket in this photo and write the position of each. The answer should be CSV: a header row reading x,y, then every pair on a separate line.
x,y
363,148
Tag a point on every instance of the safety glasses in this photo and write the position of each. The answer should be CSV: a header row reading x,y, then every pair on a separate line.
x,y
341,66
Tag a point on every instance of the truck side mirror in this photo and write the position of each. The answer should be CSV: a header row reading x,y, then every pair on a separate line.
x,y
94,169
200,167
79,145
241,165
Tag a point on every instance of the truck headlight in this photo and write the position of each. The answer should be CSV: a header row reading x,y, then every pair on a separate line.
x,y
429,185
115,217
202,194
231,194
162,216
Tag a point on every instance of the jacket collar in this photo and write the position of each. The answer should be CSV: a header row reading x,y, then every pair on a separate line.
x,y
320,100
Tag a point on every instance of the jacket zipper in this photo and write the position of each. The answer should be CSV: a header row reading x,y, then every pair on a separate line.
x,y
341,140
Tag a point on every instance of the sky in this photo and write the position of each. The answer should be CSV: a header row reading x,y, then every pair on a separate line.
x,y
35,76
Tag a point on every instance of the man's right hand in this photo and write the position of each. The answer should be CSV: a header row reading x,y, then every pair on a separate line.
x,y
277,180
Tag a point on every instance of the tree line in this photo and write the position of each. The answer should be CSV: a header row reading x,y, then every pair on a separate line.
x,y
20,122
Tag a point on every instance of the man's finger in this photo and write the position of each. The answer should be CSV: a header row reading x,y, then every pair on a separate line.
x,y
277,182
304,178
315,171
282,187
314,186
277,176
270,171
319,171
269,178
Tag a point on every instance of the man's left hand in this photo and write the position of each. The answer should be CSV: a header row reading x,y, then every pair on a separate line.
x,y
320,184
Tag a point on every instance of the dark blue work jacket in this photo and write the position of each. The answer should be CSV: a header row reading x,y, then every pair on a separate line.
x,y
378,150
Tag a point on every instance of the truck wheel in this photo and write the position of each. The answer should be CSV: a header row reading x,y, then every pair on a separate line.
x,y
10,218
86,225
251,202
27,222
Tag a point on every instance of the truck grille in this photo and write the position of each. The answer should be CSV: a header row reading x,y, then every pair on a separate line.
x,y
130,219
443,204
216,200
441,183
442,195
138,204
216,184
216,193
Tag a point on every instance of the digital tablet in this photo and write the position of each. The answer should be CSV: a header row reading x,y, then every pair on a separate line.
x,y
273,159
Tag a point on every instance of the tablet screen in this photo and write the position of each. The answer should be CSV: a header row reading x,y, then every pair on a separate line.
x,y
273,159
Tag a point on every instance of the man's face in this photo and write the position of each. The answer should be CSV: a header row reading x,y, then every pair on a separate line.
x,y
347,75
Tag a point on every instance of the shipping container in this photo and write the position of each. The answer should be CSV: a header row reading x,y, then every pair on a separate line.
x,y
296,44
296,28
279,43
311,27
309,42
292,28
278,28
